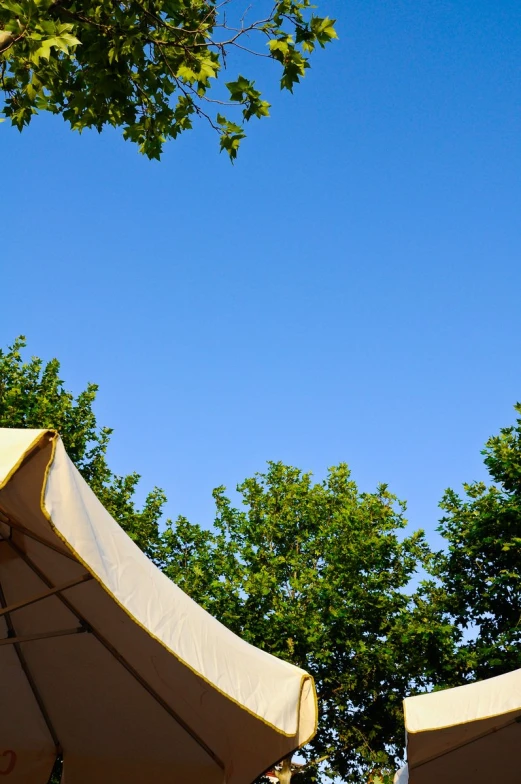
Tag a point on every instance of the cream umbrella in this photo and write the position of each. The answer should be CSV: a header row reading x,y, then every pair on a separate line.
x,y
105,661
471,733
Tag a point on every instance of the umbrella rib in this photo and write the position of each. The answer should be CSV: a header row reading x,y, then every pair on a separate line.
x,y
42,635
29,676
462,745
51,592
117,655
15,525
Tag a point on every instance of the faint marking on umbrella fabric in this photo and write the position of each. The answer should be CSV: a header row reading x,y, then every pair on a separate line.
x,y
155,661
7,758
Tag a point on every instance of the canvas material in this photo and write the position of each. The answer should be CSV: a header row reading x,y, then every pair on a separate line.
x,y
156,689
468,733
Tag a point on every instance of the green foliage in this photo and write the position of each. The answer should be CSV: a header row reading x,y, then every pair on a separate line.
x,y
480,573
147,66
32,394
317,573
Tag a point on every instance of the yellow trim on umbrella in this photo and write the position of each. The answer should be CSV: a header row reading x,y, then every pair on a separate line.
x,y
305,678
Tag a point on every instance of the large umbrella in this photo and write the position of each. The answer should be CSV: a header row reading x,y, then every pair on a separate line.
x,y
106,662
468,734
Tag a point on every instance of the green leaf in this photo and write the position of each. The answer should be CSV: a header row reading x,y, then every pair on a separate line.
x,y
115,66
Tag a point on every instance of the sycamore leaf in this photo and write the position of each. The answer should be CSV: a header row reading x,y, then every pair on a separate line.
x,y
132,67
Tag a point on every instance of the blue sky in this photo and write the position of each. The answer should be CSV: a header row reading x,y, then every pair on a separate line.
x,y
348,291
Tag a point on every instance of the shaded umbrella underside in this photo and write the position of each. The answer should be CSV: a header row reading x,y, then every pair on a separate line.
x,y
467,733
492,755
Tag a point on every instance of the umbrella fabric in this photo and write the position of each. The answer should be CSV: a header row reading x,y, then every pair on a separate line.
x,y
469,733
105,661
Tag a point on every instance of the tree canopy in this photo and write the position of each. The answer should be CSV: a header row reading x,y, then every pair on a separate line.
x,y
318,574
314,572
480,572
150,66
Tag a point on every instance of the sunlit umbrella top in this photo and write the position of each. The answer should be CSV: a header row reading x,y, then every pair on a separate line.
x,y
469,733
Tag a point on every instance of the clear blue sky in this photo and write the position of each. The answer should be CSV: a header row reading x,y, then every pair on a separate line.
x,y
348,291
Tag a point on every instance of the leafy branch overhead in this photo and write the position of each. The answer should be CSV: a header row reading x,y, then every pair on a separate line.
x,y
149,66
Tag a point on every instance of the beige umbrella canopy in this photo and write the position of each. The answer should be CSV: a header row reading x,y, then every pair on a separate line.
x,y
468,734
105,661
